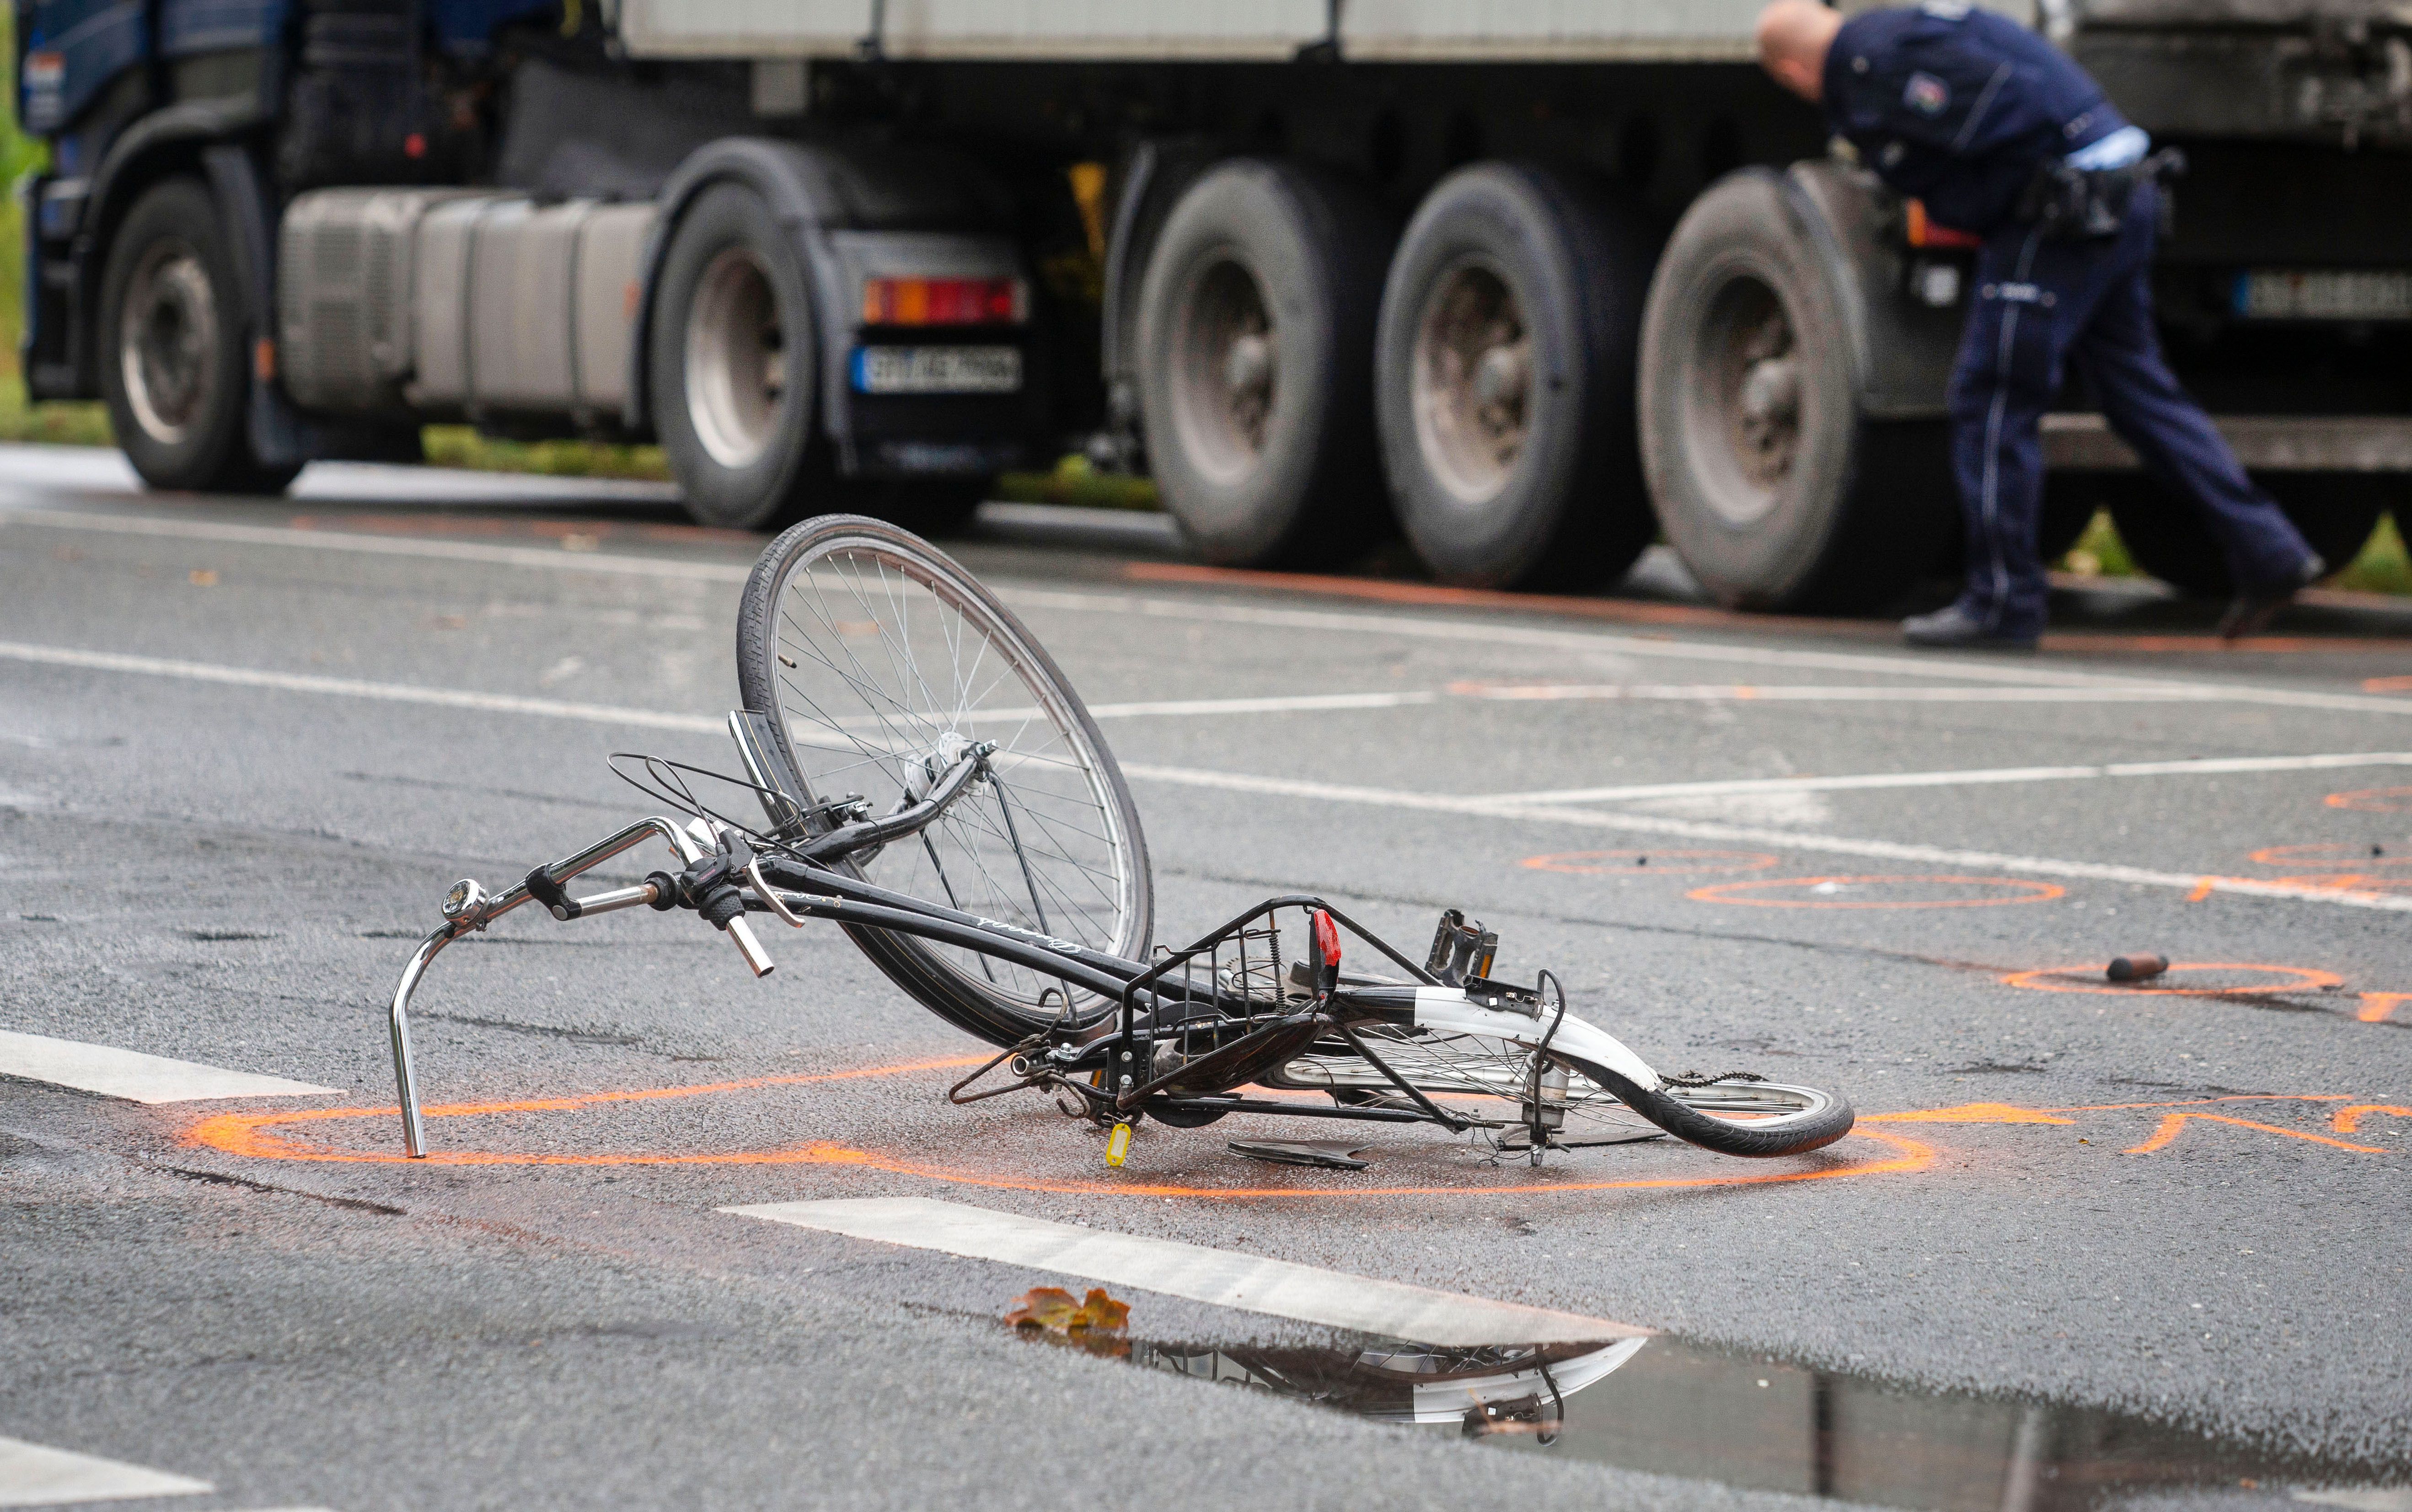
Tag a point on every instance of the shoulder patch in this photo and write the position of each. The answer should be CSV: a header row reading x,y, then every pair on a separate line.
x,y
1926,95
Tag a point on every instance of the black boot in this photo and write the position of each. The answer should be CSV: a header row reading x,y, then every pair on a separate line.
x,y
1953,627
2250,611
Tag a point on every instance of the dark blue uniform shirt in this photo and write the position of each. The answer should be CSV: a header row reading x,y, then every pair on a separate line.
x,y
1956,106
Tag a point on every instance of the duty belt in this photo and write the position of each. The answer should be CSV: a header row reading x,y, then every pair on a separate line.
x,y
2073,204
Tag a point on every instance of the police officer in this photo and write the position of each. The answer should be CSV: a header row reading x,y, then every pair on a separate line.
x,y
2000,134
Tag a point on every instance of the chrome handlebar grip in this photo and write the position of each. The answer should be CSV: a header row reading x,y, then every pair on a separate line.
x,y
756,960
615,899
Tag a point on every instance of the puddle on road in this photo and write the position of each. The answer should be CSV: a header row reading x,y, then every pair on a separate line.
x,y
1677,1409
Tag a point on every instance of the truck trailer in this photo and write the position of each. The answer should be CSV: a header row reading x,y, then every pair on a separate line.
x,y
1531,282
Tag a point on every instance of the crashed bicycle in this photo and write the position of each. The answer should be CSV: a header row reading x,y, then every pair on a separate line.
x,y
928,780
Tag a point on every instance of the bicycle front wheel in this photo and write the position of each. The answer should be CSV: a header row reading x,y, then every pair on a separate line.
x,y
880,662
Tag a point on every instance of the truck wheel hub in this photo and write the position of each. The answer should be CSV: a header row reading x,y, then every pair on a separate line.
x,y
1225,371
736,359
1473,371
168,342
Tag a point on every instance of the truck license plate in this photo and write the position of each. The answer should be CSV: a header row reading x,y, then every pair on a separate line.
x,y
937,370
2312,294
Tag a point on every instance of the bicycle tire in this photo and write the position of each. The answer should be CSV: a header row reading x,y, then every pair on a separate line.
x,y
1786,1119
1819,1119
1062,776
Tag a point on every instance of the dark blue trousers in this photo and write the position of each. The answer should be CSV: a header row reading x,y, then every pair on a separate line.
x,y
2039,306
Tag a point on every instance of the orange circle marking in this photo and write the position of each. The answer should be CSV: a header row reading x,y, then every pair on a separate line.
x,y
2349,882
1658,864
2341,855
2387,684
2372,799
2089,979
2029,893
256,1137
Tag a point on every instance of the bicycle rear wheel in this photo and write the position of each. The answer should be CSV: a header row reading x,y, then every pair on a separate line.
x,y
880,661
1581,1104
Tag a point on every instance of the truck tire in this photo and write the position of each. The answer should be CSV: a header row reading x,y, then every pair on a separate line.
x,y
1503,381
2166,536
1771,481
1256,335
174,368
733,364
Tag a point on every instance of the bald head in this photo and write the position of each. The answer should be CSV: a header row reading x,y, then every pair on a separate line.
x,y
1793,39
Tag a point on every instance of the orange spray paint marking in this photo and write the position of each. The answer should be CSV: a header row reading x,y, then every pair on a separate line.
x,y
2206,1102
2372,799
1912,1156
1730,893
2376,1007
246,1134
2328,854
1649,862
1968,1113
2174,1122
2348,1120
253,1135
2088,979
2202,889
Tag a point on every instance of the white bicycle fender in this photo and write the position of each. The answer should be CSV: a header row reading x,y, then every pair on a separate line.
x,y
1446,1008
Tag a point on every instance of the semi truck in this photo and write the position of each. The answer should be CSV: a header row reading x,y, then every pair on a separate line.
x,y
1532,283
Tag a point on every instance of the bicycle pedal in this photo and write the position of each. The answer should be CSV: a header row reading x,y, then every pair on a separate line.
x,y
1331,1155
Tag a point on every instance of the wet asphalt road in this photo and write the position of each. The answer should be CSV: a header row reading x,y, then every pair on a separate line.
x,y
2190,1203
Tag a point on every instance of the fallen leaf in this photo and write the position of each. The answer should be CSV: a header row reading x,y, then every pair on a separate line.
x,y
1096,1322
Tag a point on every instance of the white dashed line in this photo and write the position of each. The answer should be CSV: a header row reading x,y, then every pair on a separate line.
x,y
605,714
1975,777
34,1475
350,687
1278,1288
133,1076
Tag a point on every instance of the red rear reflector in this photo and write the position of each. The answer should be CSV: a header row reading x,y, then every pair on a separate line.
x,y
1925,233
945,302
1327,938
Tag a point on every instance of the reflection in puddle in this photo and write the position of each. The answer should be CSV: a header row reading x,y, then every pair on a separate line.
x,y
1677,1409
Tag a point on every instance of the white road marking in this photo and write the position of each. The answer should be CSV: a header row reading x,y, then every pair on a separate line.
x,y
133,1076
1766,839
548,557
1278,705
1546,810
351,687
1929,666
1816,693
1436,627
1974,777
1253,1284
34,1475
604,713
